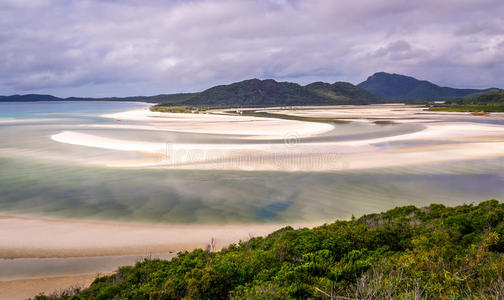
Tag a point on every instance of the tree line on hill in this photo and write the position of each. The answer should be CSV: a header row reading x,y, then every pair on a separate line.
x,y
381,87
482,103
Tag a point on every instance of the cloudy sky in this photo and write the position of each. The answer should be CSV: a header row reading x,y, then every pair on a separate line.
x,y
146,47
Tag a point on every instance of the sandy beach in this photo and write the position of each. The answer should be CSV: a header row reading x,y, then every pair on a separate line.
x,y
44,237
222,123
26,288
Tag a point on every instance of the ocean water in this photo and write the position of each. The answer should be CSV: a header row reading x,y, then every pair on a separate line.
x,y
41,177
52,109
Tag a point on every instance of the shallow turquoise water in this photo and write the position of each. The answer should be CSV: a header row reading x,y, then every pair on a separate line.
x,y
50,109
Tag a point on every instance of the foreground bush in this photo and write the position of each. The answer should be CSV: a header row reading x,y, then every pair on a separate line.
x,y
434,252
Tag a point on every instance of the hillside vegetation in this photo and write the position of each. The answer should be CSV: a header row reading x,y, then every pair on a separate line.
x,y
343,92
380,87
490,102
247,93
400,87
256,93
435,252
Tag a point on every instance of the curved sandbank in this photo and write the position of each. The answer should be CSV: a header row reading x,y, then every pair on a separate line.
x,y
444,137
246,127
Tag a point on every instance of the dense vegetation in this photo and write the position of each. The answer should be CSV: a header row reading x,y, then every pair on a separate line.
x,y
343,93
400,87
490,102
435,252
256,93
248,93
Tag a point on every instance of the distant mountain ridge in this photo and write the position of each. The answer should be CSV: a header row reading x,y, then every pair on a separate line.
x,y
167,98
380,87
29,98
401,87
252,92
256,92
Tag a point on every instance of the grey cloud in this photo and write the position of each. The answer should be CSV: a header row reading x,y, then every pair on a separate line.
x,y
492,27
401,51
397,46
90,47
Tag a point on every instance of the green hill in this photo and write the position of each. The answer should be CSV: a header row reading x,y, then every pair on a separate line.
x,y
489,102
252,93
435,252
492,98
400,87
165,98
28,98
343,93
378,88
255,92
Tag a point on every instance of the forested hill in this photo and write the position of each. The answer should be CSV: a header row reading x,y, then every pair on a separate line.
x,y
379,88
435,252
485,103
400,87
343,92
29,98
492,98
255,92
164,98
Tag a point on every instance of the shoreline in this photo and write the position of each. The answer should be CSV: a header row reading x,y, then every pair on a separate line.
x,y
28,268
60,238
57,254
26,288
